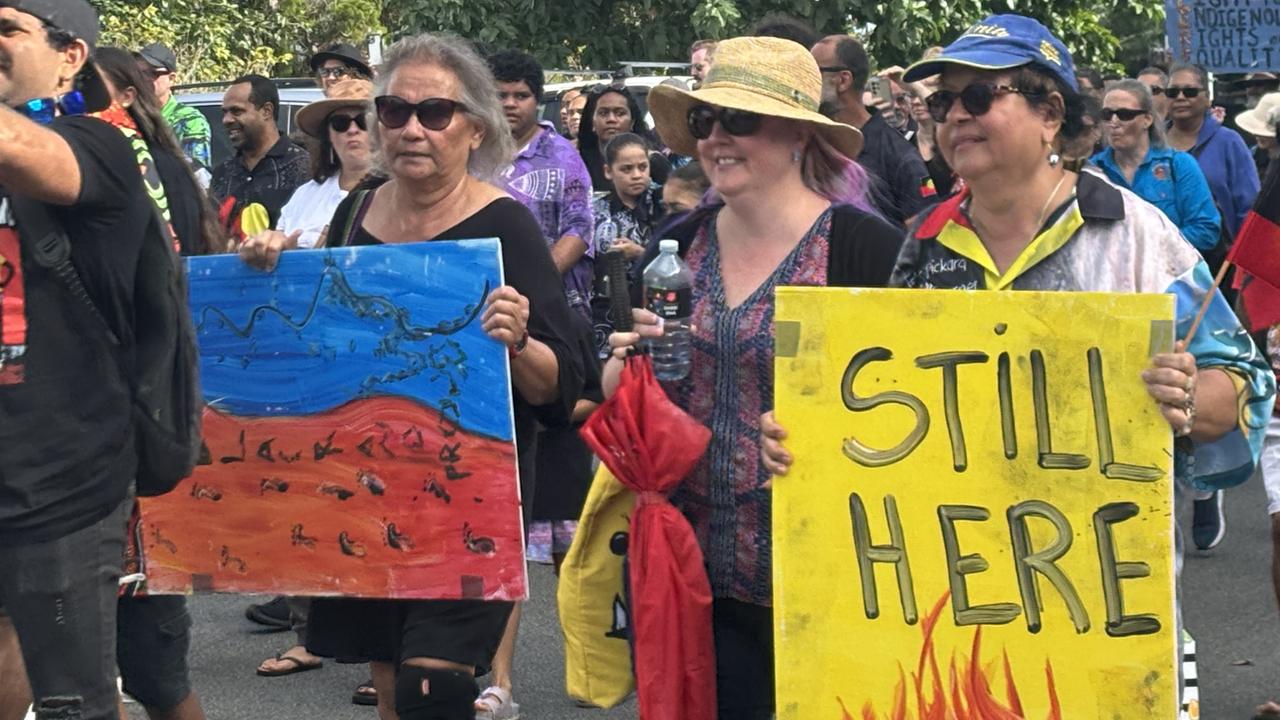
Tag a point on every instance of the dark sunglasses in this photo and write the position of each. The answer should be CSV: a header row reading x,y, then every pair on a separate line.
x,y
1157,90
739,123
1187,92
340,123
1125,114
433,113
336,72
976,99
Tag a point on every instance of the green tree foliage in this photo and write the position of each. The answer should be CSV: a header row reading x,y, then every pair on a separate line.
x,y
216,39
599,33
219,39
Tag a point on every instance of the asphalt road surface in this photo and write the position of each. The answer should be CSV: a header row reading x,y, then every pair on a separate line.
x,y
226,649
1229,608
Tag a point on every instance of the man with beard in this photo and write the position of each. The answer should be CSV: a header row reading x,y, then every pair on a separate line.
x,y
66,434
189,124
700,60
253,186
903,187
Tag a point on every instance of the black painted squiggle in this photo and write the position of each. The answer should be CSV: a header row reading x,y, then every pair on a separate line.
x,y
373,307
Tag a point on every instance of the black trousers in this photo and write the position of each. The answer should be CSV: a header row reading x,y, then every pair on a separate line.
x,y
744,659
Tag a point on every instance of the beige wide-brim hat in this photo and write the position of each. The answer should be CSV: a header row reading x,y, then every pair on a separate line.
x,y
1261,120
764,75
349,93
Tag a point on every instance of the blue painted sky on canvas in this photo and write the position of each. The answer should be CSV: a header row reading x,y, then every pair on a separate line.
x,y
332,326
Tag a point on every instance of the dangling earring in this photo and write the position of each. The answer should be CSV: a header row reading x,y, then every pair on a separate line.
x,y
796,156
1054,159
333,155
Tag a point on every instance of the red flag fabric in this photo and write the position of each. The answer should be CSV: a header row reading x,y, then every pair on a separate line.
x,y
1261,304
650,445
1256,249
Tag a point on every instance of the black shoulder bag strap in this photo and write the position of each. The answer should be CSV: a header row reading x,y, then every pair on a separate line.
x,y
359,206
51,249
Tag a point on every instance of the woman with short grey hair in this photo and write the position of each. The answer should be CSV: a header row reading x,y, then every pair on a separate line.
x,y
439,136
477,94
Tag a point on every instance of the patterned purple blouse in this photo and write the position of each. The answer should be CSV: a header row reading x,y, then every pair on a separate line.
x,y
729,387
548,177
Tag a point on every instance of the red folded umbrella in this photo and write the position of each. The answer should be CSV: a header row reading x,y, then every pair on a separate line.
x,y
650,445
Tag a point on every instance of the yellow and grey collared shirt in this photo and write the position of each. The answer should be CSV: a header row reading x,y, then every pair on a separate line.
x,y
1106,239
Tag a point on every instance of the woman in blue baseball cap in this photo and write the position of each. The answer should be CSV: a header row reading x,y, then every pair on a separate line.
x,y
1007,101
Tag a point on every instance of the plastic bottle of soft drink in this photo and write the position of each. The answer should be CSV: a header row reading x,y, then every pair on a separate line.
x,y
668,292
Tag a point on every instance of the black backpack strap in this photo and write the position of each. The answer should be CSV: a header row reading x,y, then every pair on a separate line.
x,y
51,249
359,207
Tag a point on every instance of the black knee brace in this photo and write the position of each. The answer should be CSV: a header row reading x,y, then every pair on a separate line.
x,y
431,694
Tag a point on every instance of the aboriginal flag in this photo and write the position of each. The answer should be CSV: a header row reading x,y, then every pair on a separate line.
x,y
1257,252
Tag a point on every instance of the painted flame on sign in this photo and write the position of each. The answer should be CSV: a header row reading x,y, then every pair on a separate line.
x,y
968,694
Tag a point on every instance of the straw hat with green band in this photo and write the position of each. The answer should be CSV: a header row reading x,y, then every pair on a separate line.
x,y
769,76
352,93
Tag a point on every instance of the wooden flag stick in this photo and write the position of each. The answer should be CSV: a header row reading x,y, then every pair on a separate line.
x,y
1204,305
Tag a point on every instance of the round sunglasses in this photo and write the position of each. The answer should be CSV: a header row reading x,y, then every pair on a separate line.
x,y
1125,114
337,73
1187,92
340,123
433,113
976,99
739,123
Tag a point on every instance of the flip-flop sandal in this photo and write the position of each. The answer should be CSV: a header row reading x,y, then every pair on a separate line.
x,y
365,694
495,703
297,666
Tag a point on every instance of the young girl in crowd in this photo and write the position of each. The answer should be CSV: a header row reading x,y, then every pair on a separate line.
x,y
685,188
625,219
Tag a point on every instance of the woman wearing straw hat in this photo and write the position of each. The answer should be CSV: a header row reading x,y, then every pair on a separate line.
x,y
788,207
341,159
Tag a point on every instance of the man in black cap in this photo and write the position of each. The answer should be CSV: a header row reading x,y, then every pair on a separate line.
x,y
188,123
67,456
339,62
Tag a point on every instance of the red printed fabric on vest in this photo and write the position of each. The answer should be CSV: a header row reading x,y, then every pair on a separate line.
x,y
13,297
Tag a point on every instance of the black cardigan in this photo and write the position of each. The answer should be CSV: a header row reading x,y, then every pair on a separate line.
x,y
864,248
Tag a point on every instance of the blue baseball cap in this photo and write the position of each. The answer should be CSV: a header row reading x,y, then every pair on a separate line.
x,y
1002,42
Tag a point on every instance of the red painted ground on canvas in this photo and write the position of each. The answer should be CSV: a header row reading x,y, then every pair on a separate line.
x,y
381,497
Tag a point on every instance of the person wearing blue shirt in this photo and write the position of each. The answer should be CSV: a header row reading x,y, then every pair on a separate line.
x,y
1138,158
1221,152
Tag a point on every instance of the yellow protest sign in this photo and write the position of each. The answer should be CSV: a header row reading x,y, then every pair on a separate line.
x,y
978,524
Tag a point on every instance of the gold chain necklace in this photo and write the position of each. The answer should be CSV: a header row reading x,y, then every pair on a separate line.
x,y
1044,211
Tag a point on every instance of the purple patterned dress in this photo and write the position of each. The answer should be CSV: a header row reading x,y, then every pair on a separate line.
x,y
729,387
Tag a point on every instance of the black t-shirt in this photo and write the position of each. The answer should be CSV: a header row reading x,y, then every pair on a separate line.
x,y
66,446
527,267
898,165
271,182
